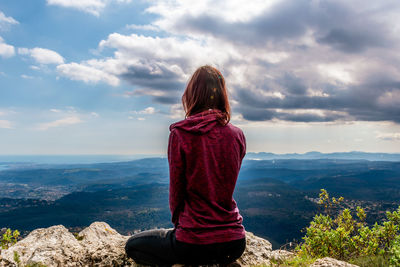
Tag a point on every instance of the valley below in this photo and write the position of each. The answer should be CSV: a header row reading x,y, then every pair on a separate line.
x,y
276,197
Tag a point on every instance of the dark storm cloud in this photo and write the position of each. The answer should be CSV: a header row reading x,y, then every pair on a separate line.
x,y
259,114
163,86
334,24
321,41
254,114
293,84
168,99
358,102
377,114
164,79
352,41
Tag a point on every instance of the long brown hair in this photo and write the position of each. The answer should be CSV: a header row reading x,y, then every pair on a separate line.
x,y
206,90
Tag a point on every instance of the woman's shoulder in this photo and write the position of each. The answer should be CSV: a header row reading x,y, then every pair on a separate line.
x,y
234,128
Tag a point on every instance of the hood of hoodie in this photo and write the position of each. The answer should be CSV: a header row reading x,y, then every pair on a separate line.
x,y
200,123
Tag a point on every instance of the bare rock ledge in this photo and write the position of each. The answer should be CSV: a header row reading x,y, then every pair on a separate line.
x,y
101,245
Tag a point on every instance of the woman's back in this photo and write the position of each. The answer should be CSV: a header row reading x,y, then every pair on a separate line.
x,y
205,153
205,158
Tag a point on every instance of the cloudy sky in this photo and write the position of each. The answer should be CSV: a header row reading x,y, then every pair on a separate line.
x,y
106,76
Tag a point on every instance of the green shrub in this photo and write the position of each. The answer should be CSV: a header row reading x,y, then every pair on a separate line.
x,y
9,238
78,237
344,236
368,261
395,253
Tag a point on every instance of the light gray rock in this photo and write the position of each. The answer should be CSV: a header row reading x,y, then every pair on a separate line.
x,y
103,246
100,245
53,246
257,251
330,262
56,246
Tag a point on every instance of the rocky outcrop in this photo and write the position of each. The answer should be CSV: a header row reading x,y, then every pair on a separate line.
x,y
96,245
330,262
100,245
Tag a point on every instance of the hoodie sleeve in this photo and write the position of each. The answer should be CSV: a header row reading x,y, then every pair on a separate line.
x,y
177,182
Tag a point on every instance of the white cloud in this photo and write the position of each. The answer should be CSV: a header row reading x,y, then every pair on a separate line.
x,y
337,72
42,55
148,110
90,6
58,123
5,124
389,136
6,21
274,57
231,11
94,7
316,93
177,112
6,50
147,27
153,64
187,52
88,74
24,76
4,18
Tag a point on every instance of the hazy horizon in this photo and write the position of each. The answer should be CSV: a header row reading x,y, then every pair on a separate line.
x,y
89,159
161,154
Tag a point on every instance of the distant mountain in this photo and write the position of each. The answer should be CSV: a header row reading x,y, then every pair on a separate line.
x,y
358,155
71,159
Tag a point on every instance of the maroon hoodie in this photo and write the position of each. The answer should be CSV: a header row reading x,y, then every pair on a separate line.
x,y
204,162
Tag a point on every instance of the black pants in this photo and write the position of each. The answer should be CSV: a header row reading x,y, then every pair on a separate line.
x,y
160,247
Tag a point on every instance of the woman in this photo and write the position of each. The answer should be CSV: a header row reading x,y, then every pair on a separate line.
x,y
205,153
